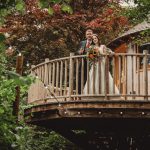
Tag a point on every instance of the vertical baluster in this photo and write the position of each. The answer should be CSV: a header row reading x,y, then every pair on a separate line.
x,y
105,78
61,77
120,72
99,73
57,77
77,75
145,75
46,75
53,78
82,75
46,71
125,71
50,74
42,86
38,82
107,75
123,75
71,76
32,70
43,80
35,89
38,72
39,75
93,77
138,75
114,74
32,90
132,73
88,70
42,72
108,87
66,74
73,72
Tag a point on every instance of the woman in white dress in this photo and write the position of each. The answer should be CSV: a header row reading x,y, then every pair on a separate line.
x,y
99,78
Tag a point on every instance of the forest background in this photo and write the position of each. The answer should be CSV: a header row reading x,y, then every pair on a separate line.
x,y
51,29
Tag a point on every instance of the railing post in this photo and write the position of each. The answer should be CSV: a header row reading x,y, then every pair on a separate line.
x,y
71,76
145,75
32,66
46,76
31,92
46,71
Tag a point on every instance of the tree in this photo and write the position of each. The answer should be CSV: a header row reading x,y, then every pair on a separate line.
x,y
8,81
18,135
41,29
139,12
45,29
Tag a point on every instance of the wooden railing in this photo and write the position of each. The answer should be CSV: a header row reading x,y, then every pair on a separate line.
x,y
61,79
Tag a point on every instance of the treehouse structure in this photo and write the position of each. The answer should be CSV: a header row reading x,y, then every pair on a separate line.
x,y
95,121
126,43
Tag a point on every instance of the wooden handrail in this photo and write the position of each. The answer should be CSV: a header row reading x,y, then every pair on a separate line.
x,y
68,76
80,56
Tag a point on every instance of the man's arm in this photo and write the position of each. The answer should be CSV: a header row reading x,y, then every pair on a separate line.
x,y
81,48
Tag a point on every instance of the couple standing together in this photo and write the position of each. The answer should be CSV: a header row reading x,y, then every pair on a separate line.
x,y
92,39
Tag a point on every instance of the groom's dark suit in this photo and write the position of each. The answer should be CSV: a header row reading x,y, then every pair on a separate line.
x,y
83,45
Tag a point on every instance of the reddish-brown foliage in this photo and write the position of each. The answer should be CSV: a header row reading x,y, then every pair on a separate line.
x,y
40,35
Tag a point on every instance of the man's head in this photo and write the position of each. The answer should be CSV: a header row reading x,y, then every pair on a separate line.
x,y
89,34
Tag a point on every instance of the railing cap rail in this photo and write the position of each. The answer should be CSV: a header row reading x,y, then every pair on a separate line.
x,y
81,56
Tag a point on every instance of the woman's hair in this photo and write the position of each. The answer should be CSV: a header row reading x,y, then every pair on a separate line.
x,y
97,38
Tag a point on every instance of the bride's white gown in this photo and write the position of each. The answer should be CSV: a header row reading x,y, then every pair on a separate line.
x,y
102,50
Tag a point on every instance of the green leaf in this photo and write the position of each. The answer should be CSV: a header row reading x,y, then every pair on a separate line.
x,y
68,1
2,37
50,11
1,110
2,47
12,74
43,4
20,6
67,8
55,1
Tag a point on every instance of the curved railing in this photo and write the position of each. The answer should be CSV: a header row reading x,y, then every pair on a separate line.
x,y
64,79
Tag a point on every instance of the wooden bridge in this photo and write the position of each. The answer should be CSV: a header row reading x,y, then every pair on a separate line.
x,y
58,104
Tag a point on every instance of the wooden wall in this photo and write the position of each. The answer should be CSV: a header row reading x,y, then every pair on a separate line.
x,y
135,81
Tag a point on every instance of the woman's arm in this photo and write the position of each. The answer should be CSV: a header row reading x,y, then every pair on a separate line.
x,y
105,50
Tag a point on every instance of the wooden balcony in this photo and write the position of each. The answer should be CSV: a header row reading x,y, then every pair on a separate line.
x,y
58,104
58,80
56,89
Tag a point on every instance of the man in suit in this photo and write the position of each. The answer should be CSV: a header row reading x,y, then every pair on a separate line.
x,y
84,45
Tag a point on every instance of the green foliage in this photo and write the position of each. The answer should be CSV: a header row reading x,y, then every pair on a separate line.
x,y
19,136
43,3
67,8
35,138
56,1
3,13
8,82
20,6
7,3
38,36
140,12
2,37
142,37
50,11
